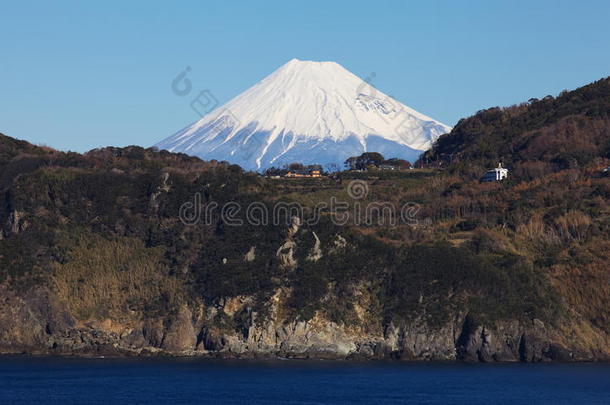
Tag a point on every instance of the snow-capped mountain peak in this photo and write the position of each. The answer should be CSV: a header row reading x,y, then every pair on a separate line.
x,y
307,112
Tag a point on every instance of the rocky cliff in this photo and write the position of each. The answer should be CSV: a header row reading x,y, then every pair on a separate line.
x,y
38,323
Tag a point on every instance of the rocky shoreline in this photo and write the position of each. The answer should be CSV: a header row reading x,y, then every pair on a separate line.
x,y
38,324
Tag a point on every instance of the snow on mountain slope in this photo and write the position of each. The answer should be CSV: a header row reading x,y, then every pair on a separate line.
x,y
308,112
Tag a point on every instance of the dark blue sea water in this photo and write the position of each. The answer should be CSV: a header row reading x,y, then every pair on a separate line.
x,y
185,381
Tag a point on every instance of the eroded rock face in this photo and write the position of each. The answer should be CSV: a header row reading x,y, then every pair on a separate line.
x,y
22,327
164,187
15,223
153,331
415,341
37,322
286,251
251,255
180,335
28,321
510,341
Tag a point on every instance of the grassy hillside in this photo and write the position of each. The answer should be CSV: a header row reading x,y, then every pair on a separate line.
x,y
102,230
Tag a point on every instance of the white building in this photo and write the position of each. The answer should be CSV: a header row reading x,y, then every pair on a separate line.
x,y
497,174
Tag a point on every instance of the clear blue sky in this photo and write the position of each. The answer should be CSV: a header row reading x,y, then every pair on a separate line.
x,y
79,75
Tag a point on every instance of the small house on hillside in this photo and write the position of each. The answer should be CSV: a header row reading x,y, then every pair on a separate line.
x,y
497,174
304,173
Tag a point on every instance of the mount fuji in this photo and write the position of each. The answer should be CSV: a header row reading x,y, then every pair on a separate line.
x,y
307,112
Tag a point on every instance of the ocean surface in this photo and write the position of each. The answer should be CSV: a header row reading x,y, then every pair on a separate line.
x,y
29,380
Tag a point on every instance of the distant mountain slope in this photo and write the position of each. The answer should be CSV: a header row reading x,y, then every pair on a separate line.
x,y
308,112
536,137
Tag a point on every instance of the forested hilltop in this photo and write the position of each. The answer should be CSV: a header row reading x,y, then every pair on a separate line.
x,y
534,138
96,258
